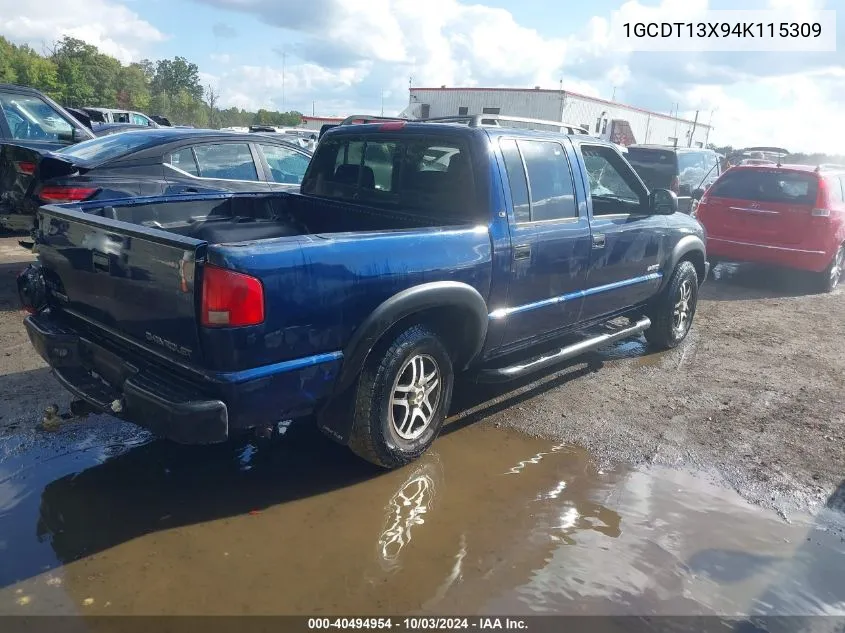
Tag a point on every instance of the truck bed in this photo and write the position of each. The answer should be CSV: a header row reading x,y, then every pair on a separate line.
x,y
228,218
135,267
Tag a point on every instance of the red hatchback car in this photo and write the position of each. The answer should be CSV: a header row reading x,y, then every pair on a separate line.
x,y
784,215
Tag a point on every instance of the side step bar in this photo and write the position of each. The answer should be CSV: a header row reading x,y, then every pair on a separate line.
x,y
576,349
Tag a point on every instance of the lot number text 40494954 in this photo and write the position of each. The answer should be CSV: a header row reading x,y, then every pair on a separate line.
x,y
421,623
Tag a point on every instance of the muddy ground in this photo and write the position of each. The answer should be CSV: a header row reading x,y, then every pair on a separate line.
x,y
754,395
628,483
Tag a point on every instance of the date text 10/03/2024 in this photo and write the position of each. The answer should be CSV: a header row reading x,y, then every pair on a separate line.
x,y
418,624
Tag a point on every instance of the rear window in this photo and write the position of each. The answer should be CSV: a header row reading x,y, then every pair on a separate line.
x,y
107,147
652,157
423,174
767,186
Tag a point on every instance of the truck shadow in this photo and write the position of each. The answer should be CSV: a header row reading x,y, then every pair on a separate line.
x,y
9,301
742,282
96,494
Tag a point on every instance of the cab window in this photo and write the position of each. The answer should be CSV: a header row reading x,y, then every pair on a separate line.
x,y
427,175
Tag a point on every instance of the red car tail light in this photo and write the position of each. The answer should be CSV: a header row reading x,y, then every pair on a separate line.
x,y
62,194
821,209
25,167
231,299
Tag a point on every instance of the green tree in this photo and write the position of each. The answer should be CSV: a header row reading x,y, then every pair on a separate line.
x,y
77,74
8,51
133,89
178,74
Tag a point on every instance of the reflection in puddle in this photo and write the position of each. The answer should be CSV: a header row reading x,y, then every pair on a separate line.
x,y
406,509
219,530
535,459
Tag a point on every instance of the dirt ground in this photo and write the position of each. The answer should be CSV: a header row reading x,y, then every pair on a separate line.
x,y
753,396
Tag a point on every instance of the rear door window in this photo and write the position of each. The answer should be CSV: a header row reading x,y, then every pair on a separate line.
x,y
517,179
184,161
549,180
767,186
226,161
287,166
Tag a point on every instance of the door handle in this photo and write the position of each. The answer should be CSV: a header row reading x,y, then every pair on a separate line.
x,y
598,240
191,190
522,252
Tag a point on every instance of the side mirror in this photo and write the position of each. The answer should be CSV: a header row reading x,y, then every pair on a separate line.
x,y
663,202
698,194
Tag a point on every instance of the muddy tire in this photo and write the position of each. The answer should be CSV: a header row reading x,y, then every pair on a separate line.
x,y
672,313
829,278
402,398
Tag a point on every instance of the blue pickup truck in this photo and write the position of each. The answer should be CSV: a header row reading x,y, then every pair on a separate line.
x,y
414,250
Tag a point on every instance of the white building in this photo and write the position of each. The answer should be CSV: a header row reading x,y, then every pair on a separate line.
x,y
606,119
316,122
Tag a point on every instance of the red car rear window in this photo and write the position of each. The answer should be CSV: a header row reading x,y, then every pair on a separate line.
x,y
767,186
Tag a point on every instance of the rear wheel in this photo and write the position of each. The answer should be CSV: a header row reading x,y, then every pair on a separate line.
x,y
402,399
830,277
672,313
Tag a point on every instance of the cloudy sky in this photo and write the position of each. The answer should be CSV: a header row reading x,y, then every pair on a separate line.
x,y
345,56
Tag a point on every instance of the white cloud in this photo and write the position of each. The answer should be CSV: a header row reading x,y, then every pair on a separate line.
x,y
220,58
255,87
799,114
787,100
111,27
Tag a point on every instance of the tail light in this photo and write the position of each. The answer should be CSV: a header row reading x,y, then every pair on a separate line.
x,y
821,209
25,167
231,299
676,185
62,194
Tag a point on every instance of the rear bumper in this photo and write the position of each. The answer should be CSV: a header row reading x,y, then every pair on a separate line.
x,y
789,257
204,410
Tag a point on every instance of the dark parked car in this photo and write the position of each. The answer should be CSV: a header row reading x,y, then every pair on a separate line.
x,y
679,169
104,129
30,124
414,251
151,162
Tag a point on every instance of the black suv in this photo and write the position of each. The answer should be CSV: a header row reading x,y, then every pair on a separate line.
x,y
680,169
29,121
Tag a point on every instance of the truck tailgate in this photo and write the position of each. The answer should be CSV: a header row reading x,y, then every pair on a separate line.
x,y
137,281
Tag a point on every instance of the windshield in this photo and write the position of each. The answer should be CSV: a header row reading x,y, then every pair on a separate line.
x,y
108,147
30,118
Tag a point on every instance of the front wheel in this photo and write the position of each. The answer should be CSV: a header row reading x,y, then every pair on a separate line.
x,y
672,313
402,399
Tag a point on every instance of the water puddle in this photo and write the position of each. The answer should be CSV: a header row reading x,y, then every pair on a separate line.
x,y
755,281
488,522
